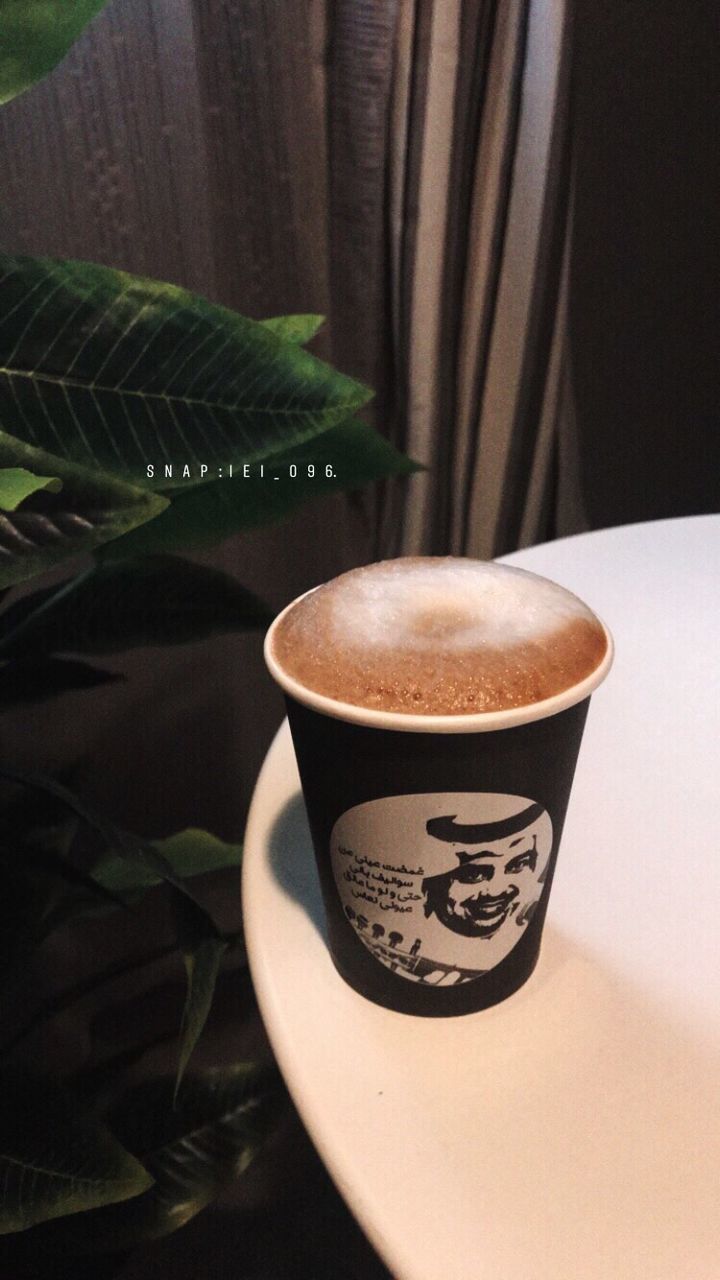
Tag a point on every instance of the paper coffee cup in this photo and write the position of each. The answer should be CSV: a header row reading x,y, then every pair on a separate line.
x,y
436,838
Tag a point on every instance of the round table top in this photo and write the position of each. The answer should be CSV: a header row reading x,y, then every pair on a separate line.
x,y
574,1130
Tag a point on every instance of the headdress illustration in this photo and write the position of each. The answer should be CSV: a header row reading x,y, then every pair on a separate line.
x,y
476,897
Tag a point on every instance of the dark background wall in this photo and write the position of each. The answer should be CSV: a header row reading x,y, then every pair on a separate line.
x,y
644,308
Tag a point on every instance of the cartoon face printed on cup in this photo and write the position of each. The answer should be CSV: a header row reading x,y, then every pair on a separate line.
x,y
441,887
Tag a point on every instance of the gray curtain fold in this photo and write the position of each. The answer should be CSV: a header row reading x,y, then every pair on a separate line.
x,y
479,200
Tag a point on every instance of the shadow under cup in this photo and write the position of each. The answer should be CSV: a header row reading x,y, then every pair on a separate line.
x,y
436,840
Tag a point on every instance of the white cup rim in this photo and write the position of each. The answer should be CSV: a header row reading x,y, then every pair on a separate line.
x,y
406,722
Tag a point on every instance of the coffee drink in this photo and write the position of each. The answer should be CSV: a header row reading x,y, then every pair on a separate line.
x,y
436,707
439,636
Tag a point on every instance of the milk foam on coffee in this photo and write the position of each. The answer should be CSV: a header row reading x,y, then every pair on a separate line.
x,y
439,636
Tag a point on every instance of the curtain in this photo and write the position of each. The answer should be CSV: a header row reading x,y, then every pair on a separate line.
x,y
479,201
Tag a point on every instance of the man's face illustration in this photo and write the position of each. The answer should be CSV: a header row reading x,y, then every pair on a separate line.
x,y
453,878
491,884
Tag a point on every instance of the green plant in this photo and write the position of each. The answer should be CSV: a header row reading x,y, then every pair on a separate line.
x,y
106,381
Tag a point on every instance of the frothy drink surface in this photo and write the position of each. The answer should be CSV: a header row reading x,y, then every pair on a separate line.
x,y
439,636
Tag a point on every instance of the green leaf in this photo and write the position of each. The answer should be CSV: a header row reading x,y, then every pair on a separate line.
x,y
199,938
35,35
120,605
300,329
195,1148
17,483
134,848
54,1159
49,527
192,1151
190,853
193,852
116,372
23,682
199,518
202,958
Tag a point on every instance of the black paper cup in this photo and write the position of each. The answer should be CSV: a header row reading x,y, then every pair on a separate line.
x,y
436,838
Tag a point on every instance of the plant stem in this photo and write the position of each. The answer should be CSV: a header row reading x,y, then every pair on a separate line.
x,y
66,588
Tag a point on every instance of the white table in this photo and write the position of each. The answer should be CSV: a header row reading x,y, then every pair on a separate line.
x,y
573,1132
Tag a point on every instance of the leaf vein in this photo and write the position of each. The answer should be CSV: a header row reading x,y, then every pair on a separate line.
x,y
341,406
87,1179
91,334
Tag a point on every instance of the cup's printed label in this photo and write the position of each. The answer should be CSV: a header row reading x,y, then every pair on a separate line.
x,y
441,887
